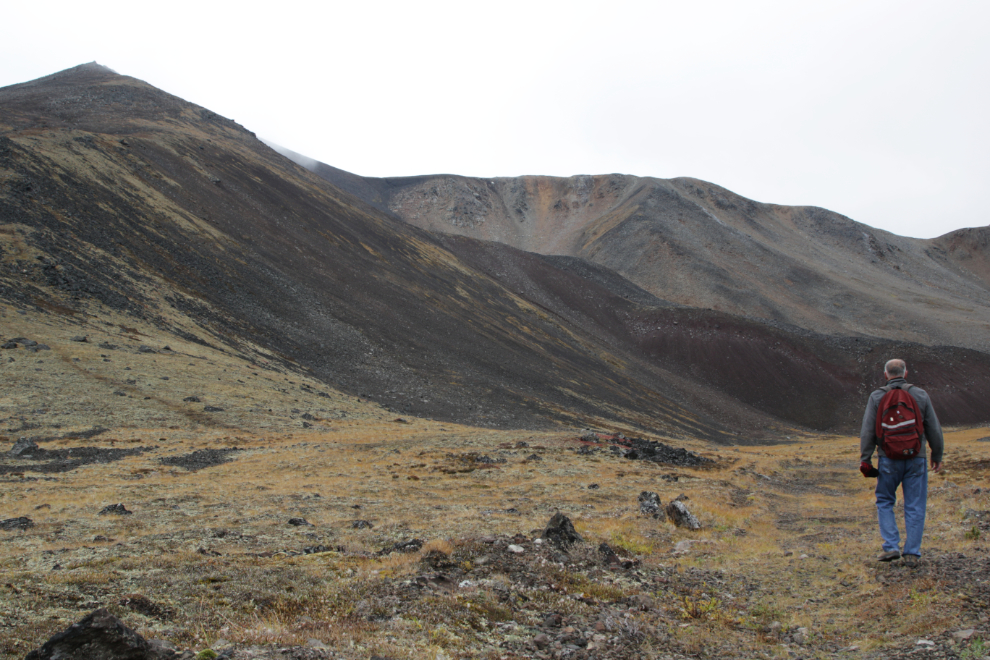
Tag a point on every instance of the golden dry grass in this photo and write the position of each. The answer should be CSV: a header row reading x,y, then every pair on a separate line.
x,y
789,535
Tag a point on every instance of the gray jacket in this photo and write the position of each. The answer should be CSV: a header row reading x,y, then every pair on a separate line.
x,y
933,430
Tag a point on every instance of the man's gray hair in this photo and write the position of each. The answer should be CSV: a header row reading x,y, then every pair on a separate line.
x,y
895,368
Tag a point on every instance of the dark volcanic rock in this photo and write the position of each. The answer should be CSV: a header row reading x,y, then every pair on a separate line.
x,y
12,524
64,460
99,636
201,458
115,510
560,531
608,554
87,434
411,545
361,524
23,447
300,522
658,452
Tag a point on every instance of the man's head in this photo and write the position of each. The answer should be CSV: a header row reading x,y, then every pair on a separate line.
x,y
895,369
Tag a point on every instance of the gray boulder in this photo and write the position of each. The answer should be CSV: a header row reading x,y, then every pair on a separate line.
x,y
678,514
23,447
649,504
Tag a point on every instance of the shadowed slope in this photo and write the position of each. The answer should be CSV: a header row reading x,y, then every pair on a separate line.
x,y
728,366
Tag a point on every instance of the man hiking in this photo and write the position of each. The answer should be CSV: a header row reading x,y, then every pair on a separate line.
x,y
899,433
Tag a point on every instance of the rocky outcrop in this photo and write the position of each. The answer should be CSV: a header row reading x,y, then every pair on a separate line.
x,y
101,636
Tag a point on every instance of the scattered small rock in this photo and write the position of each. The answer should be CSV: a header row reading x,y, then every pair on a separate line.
x,y
80,338
201,458
212,409
145,349
192,399
963,635
11,524
300,522
515,549
361,524
115,510
412,545
607,554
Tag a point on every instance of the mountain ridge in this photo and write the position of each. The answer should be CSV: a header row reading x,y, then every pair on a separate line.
x,y
698,244
115,195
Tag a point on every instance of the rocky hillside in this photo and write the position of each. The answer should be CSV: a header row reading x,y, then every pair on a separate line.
x,y
694,243
119,201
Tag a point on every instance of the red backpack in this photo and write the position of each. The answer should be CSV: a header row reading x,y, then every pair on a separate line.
x,y
899,423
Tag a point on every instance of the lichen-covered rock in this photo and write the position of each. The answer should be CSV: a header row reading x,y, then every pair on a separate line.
x,y
678,514
560,531
649,504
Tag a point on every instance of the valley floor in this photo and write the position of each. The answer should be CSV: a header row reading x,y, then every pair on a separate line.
x,y
265,552
268,518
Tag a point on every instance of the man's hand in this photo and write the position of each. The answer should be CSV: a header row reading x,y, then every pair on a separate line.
x,y
869,471
936,467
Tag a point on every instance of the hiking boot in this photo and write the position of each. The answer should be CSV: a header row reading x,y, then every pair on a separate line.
x,y
911,561
889,556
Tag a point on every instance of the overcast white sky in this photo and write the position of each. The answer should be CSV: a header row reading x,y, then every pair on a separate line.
x,y
877,109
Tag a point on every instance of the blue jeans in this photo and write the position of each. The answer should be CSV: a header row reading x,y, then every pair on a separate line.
x,y
912,476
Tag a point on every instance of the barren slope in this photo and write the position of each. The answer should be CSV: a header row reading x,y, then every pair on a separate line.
x,y
697,244
117,196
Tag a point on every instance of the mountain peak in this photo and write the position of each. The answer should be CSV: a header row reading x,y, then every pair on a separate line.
x,y
90,72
